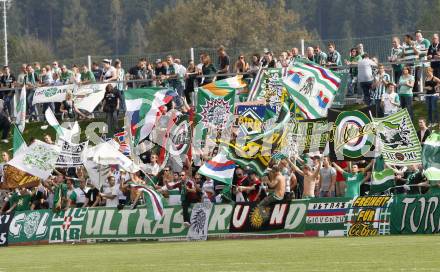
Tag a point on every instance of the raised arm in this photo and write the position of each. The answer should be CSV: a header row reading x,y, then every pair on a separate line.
x,y
338,168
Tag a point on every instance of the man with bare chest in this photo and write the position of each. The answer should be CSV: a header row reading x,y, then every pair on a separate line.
x,y
275,181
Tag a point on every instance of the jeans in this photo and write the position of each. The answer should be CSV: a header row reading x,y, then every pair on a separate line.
x,y
122,107
32,111
377,108
366,87
397,75
112,123
352,85
406,102
417,78
431,100
5,126
8,103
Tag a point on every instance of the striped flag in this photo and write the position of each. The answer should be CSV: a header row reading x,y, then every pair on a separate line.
x,y
20,109
431,157
312,87
382,181
219,168
143,106
153,200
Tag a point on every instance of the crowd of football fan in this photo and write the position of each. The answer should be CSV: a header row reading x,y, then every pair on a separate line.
x,y
415,70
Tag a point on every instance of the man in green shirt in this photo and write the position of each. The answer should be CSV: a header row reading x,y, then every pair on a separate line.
x,y
86,75
354,179
66,75
59,193
20,201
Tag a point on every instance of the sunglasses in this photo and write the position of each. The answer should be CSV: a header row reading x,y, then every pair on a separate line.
x,y
166,170
182,175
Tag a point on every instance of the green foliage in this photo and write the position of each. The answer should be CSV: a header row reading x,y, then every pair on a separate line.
x,y
233,23
28,48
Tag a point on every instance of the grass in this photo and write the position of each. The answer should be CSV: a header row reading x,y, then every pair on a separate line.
x,y
386,253
33,130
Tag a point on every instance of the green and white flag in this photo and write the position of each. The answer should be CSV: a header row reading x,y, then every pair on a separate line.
x,y
38,160
382,181
20,109
214,107
18,144
400,145
62,133
431,157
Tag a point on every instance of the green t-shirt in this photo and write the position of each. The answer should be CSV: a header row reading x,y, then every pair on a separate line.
x,y
353,184
23,202
59,191
405,90
88,76
64,77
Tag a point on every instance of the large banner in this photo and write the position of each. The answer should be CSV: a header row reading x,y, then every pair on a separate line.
x,y
5,221
86,97
52,94
286,217
353,136
369,216
412,214
30,226
327,213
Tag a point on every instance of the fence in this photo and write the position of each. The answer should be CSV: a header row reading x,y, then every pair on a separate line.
x,y
378,46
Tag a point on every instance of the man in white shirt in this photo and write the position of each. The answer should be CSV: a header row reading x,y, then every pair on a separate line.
x,y
365,76
110,193
78,197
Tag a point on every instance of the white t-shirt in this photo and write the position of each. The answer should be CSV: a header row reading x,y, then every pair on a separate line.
x,y
113,191
389,108
108,74
365,71
80,195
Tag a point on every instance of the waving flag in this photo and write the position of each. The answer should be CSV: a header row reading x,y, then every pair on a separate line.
x,y
312,87
214,107
63,133
153,200
431,157
400,145
219,168
382,181
121,140
20,109
142,108
18,144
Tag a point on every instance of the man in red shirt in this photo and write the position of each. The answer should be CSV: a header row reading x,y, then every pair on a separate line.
x,y
340,180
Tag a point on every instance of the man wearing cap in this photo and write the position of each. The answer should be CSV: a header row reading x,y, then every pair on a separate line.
x,y
109,71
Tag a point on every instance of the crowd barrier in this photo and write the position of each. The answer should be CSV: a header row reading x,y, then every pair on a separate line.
x,y
323,217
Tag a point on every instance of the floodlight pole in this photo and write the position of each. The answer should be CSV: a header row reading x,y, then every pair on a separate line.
x,y
5,29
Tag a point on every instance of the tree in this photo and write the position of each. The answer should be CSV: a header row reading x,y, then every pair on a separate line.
x,y
77,38
137,38
28,49
118,25
237,23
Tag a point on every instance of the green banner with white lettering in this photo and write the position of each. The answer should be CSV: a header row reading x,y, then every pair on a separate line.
x,y
30,226
411,214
